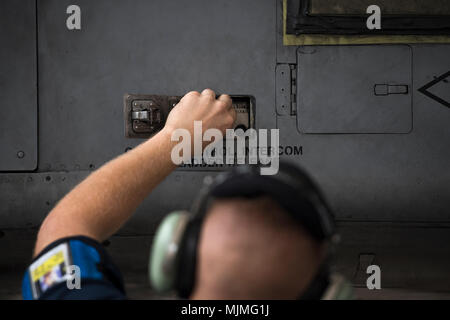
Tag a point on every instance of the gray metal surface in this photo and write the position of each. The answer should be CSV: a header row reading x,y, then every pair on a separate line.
x,y
18,87
84,74
386,177
171,47
162,47
346,89
159,47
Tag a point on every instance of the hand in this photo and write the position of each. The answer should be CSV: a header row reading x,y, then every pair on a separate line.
x,y
214,113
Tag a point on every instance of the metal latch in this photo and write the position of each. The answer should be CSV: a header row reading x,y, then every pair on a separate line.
x,y
140,115
151,116
145,115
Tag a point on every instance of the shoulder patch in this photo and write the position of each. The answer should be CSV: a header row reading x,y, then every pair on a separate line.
x,y
50,269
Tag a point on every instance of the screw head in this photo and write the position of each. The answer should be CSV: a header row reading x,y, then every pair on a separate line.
x,y
20,154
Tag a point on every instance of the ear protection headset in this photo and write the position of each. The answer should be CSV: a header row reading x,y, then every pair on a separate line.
x,y
173,257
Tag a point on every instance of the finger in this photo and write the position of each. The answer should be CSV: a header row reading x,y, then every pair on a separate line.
x,y
208,93
190,95
227,99
193,93
233,114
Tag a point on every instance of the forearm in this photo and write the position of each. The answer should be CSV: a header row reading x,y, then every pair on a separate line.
x,y
100,204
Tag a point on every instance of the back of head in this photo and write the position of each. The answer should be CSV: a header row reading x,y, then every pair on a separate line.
x,y
253,249
247,236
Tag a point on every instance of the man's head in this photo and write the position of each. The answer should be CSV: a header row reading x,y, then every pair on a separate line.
x,y
247,236
254,249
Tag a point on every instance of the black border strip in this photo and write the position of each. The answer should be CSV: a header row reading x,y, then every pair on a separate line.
x,y
299,21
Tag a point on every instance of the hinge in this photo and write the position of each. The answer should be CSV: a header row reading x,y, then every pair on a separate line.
x,y
293,89
286,88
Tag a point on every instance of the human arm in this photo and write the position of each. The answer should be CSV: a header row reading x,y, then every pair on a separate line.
x,y
107,198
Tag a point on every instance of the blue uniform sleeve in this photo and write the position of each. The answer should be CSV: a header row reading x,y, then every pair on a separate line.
x,y
73,268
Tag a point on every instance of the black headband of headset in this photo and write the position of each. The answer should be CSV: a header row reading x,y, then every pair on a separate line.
x,y
291,188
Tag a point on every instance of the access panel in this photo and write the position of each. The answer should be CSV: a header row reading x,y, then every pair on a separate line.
x,y
354,89
18,86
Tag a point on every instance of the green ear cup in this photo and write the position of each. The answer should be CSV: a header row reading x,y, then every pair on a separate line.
x,y
339,289
163,253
